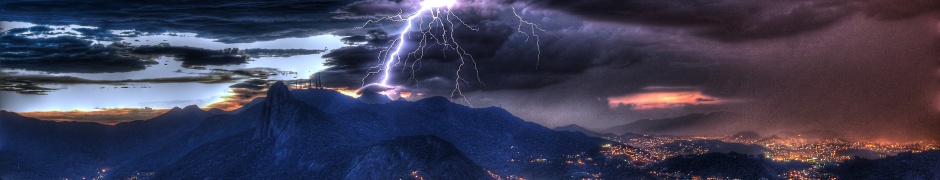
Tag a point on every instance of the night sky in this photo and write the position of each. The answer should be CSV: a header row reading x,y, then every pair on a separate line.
x,y
864,68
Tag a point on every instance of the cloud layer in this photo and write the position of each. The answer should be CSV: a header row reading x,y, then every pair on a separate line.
x,y
866,67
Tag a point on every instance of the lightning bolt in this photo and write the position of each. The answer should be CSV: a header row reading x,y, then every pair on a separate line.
x,y
532,28
444,20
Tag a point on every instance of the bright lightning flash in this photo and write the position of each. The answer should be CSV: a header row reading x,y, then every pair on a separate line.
x,y
439,17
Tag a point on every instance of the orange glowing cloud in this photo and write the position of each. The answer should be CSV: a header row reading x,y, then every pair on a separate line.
x,y
661,100
405,94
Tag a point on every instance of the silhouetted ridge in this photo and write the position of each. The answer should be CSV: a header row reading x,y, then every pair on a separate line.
x,y
374,98
733,165
302,134
329,101
746,135
188,110
190,115
576,128
175,109
428,157
435,100
217,111
192,108
906,165
691,124
5,114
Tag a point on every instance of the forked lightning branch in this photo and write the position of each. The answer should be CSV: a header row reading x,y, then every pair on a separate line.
x,y
436,23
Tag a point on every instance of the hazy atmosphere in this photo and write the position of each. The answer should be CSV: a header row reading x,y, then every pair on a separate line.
x,y
867,69
470,89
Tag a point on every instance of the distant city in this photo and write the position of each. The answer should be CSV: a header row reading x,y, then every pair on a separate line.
x,y
648,151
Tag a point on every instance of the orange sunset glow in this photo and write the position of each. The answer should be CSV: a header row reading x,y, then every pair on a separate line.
x,y
237,98
104,116
660,100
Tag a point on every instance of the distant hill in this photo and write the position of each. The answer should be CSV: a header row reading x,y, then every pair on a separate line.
x,y
394,159
746,135
716,123
716,146
924,165
728,165
861,153
576,128
300,134
815,134
40,149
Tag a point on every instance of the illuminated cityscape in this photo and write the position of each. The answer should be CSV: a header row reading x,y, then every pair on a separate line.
x,y
648,150
645,151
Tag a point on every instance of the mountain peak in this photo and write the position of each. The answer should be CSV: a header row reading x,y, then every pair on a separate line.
x,y
282,112
192,108
10,114
372,97
187,109
278,92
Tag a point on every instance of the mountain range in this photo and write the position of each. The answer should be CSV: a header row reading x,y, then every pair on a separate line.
x,y
715,123
299,134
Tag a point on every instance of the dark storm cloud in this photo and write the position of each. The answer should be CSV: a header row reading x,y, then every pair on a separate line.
x,y
32,84
66,54
247,90
793,64
191,56
630,63
373,37
738,20
471,12
99,34
348,65
243,93
508,60
228,21
350,40
866,77
253,84
437,69
378,9
353,58
71,54
730,20
23,87
894,9
46,79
